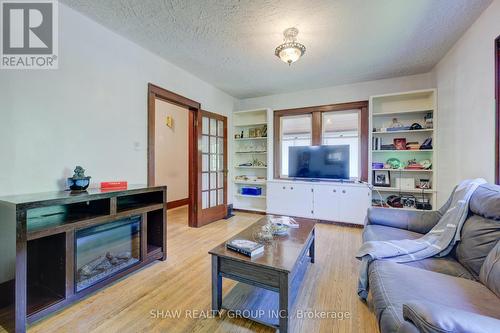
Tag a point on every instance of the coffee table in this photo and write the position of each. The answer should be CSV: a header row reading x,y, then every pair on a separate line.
x,y
269,282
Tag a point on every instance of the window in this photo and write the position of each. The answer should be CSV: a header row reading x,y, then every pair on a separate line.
x,y
342,128
336,124
295,131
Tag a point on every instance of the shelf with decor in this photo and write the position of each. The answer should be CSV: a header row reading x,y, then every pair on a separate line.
x,y
252,150
242,182
250,139
403,131
404,128
396,189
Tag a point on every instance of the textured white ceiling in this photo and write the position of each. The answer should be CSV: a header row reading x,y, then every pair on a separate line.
x,y
230,43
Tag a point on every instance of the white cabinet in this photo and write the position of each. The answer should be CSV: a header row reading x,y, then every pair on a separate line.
x,y
326,203
355,201
323,201
290,199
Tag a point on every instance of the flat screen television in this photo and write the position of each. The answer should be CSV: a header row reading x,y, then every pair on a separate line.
x,y
319,162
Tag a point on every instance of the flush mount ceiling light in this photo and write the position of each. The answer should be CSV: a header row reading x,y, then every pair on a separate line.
x,y
290,51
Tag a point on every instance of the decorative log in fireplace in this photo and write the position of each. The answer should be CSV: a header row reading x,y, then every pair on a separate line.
x,y
66,246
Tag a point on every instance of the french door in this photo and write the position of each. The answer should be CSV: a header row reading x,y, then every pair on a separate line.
x,y
212,167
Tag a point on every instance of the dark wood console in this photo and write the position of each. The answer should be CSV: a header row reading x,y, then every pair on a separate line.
x,y
58,247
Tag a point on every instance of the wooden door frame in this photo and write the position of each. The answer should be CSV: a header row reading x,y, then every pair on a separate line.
x,y
316,112
194,109
208,217
497,120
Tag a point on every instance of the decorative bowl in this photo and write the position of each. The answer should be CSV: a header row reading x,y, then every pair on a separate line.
x,y
279,229
80,184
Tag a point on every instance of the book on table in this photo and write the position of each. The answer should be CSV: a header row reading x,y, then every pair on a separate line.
x,y
245,247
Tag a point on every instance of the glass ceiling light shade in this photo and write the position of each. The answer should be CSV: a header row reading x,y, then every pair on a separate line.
x,y
290,51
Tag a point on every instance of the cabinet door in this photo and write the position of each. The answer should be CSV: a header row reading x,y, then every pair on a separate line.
x,y
354,203
275,202
290,199
326,203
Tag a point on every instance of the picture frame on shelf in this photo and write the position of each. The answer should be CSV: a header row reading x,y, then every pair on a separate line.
x,y
400,143
381,178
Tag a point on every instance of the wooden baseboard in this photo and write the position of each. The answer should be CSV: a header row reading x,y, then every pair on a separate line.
x,y
343,224
248,211
177,203
7,293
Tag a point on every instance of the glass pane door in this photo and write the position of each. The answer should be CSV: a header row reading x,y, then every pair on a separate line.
x,y
213,167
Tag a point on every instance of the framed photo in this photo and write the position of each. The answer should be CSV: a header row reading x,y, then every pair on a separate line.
x,y
381,178
400,143
251,133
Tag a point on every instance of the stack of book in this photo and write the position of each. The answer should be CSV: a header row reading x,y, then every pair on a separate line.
x,y
413,146
245,247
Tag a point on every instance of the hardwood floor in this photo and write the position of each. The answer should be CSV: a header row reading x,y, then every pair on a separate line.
x,y
182,283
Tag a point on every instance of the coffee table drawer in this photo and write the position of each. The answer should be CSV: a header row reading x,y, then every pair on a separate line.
x,y
249,272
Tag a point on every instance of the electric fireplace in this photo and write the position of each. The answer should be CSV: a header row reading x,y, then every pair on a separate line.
x,y
104,250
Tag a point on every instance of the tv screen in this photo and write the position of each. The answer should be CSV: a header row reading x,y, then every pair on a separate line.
x,y
322,162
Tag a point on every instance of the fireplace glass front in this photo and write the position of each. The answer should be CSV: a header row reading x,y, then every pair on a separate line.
x,y
104,250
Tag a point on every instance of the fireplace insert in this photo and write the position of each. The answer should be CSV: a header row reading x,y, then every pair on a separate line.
x,y
104,250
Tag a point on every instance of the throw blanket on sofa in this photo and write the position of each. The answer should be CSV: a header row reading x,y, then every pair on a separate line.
x,y
437,242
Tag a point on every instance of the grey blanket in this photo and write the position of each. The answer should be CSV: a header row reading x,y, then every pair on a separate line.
x,y
437,242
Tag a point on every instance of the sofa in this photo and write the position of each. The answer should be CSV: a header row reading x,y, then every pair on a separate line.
x,y
456,293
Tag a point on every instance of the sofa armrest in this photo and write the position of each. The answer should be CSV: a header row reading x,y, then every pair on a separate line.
x,y
431,317
421,221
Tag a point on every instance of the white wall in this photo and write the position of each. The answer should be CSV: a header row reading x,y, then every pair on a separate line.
x,y
92,111
466,102
339,94
171,150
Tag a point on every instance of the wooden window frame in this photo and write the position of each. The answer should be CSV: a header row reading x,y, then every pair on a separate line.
x,y
316,112
497,120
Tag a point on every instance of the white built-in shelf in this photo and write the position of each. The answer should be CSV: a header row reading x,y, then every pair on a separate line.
x,y
246,139
404,170
401,112
250,167
403,151
397,189
251,124
408,107
250,196
405,131
246,150
252,152
249,182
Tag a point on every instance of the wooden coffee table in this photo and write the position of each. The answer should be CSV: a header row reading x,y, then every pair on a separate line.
x,y
269,281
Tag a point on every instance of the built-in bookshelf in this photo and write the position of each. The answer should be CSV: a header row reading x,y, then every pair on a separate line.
x,y
391,118
251,156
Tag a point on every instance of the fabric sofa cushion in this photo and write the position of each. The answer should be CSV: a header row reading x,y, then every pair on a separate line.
x,y
431,317
446,265
481,230
479,236
374,232
486,201
393,284
490,272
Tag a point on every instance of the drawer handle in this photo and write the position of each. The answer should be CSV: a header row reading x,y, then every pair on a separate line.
x,y
343,191
291,188
334,191
284,187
